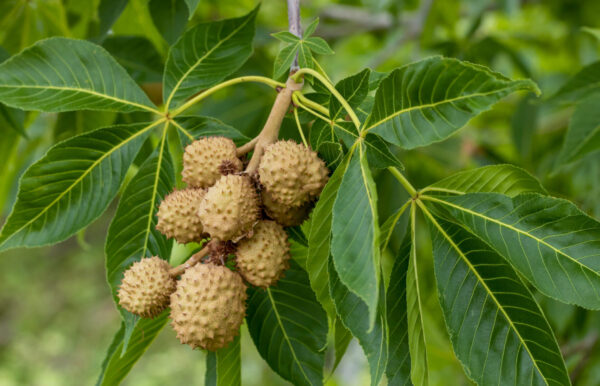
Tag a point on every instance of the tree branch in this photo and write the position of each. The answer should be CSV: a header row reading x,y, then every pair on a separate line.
x,y
295,27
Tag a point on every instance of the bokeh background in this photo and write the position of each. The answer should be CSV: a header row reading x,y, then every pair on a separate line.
x,y
56,313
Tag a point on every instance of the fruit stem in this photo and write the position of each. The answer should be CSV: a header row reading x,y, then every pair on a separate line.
x,y
270,131
195,259
331,89
247,147
230,82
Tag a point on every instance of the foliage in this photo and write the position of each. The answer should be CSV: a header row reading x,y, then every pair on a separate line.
x,y
497,246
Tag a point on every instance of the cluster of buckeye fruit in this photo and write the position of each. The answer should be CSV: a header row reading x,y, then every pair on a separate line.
x,y
243,214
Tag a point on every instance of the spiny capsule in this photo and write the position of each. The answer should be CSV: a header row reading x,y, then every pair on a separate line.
x,y
230,208
146,287
262,258
178,215
207,159
291,173
208,307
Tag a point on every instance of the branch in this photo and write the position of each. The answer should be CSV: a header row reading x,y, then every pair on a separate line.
x,y
295,27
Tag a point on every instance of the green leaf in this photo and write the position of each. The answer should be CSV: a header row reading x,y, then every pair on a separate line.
x,y
506,179
224,366
71,185
319,239
22,23
583,136
341,339
137,55
318,46
311,28
108,13
305,57
117,363
331,152
582,84
548,240
497,330
355,232
13,118
354,314
60,74
192,5
286,37
205,55
417,341
194,127
399,362
379,154
284,60
354,89
429,100
289,328
132,234
523,126
169,17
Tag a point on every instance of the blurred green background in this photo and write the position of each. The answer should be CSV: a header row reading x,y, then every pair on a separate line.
x,y
56,313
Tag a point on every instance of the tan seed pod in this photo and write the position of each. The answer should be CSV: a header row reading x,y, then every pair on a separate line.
x,y
178,215
207,159
291,173
146,287
230,208
286,215
262,258
208,307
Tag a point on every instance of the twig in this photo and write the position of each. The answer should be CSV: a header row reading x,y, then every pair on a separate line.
x,y
293,8
196,257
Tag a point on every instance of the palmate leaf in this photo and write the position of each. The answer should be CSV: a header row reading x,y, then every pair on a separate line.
x,y
399,363
319,239
289,327
354,315
506,179
417,342
60,74
131,236
427,101
497,330
355,232
121,357
224,366
205,55
71,185
583,136
548,240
